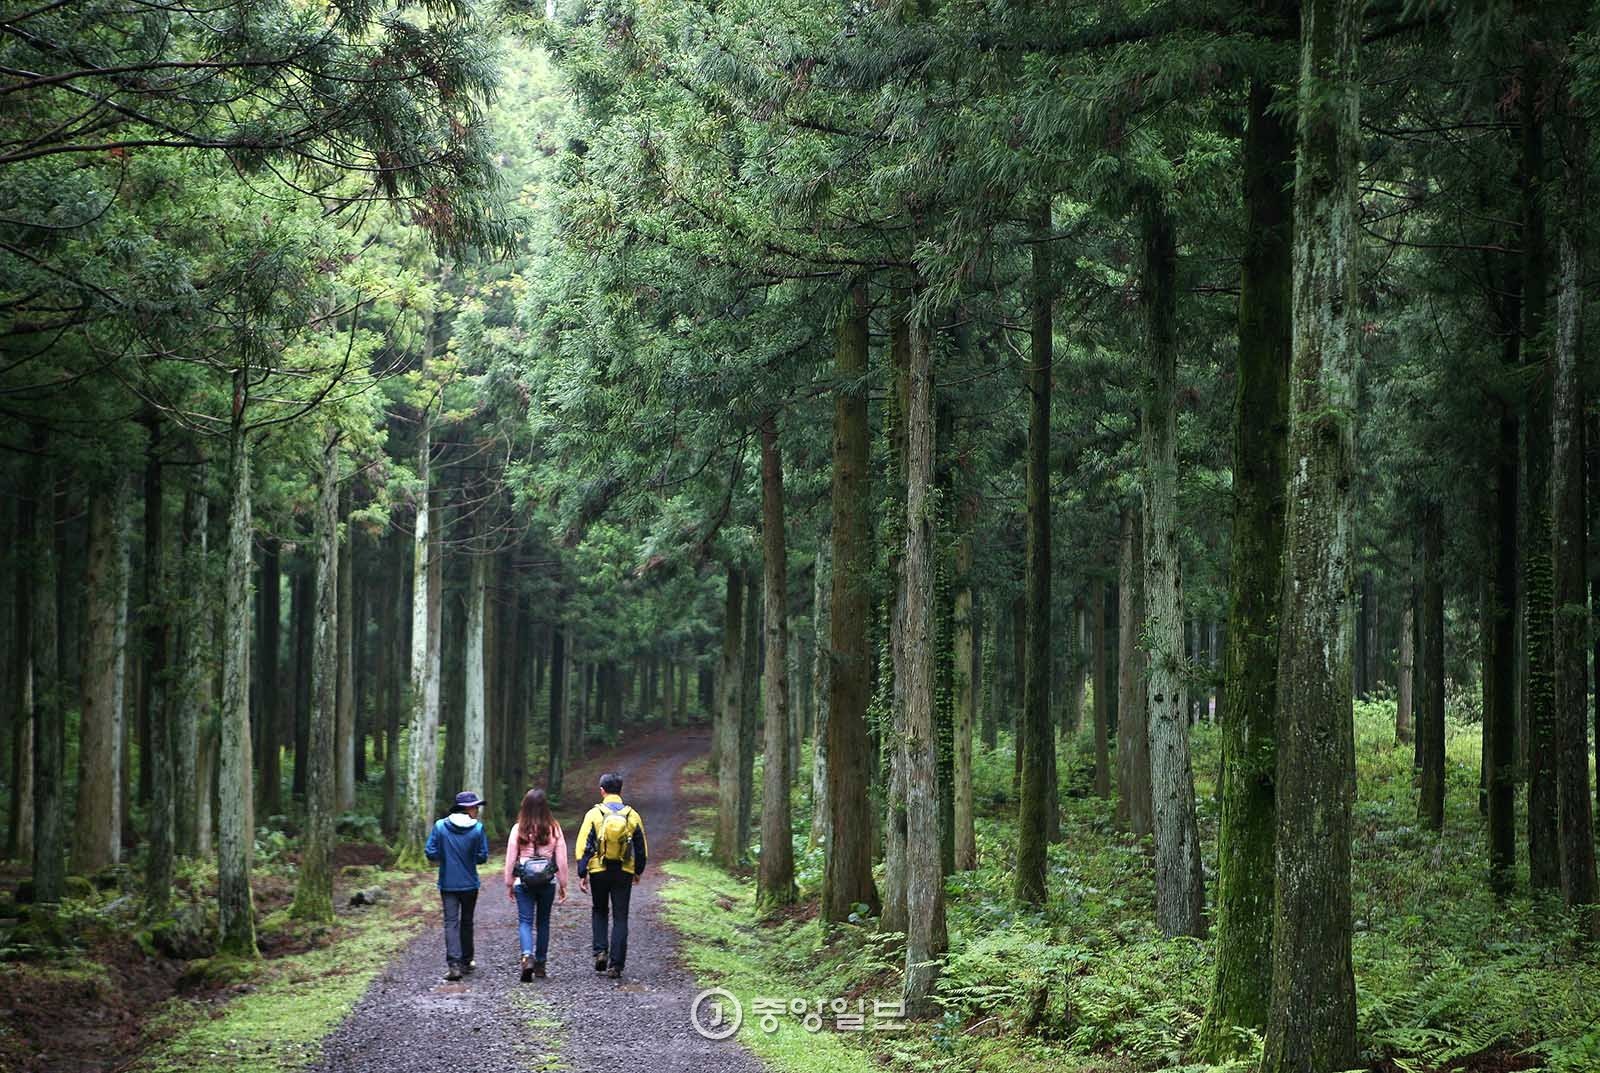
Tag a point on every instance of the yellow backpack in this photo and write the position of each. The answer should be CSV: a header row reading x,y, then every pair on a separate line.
x,y
614,828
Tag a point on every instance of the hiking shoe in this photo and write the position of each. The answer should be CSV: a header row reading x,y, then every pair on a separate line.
x,y
614,972
472,966
538,969
528,968
453,972
600,962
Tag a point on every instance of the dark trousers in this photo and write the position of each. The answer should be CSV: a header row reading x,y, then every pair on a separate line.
x,y
459,905
611,890
533,912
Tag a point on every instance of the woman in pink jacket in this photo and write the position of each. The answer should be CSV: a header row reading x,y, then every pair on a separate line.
x,y
536,871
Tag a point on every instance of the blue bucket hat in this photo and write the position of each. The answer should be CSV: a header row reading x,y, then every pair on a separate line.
x,y
468,799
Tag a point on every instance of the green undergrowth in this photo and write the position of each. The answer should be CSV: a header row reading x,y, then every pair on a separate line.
x,y
284,1007
729,945
1447,978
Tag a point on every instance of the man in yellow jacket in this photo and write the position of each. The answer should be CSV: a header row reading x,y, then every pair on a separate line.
x,y
611,859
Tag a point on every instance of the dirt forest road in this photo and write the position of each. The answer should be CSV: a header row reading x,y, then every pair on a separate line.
x,y
412,1021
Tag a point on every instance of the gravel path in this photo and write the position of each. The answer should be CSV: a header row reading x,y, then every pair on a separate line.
x,y
412,1021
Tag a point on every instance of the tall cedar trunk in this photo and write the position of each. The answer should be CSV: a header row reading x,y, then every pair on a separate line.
x,y
19,839
925,926
944,638
1591,450
474,702
1405,701
821,686
966,845
1036,742
347,740
894,916
847,877
416,805
569,710
749,705
313,894
989,723
1180,895
97,819
1071,669
1430,725
392,638
452,709
556,772
1500,638
302,621
235,820
725,848
1311,1025
1242,984
1574,809
360,669
191,704
796,649
270,717
1544,864
514,743
49,702
776,876
1100,667
1134,806
157,619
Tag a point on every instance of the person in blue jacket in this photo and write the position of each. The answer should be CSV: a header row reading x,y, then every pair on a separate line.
x,y
458,844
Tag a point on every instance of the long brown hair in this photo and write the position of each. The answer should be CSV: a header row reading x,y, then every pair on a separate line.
x,y
535,824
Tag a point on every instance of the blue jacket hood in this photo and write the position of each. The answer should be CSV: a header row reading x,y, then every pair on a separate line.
x,y
458,843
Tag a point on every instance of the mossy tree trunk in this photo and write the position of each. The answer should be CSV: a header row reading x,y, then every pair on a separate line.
x,y
1430,726
235,818
558,711
925,927
416,804
97,819
156,618
1574,808
725,848
347,740
191,702
48,713
847,879
749,704
267,721
1100,668
776,875
1180,895
966,846
821,672
1544,863
1133,811
313,894
1242,983
1311,1023
474,710
1036,742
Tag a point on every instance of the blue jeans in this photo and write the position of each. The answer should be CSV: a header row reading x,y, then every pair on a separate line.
x,y
535,903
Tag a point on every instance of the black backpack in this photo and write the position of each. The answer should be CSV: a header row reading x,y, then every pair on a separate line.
x,y
536,871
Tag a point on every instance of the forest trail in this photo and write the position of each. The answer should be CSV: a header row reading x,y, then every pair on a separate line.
x,y
412,1021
